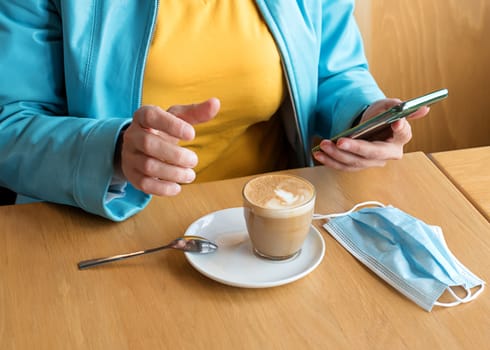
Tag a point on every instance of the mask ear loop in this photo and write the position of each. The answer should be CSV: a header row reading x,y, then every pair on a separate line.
x,y
469,296
474,295
458,301
362,204
477,293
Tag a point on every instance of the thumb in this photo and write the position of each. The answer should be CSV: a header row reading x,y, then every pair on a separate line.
x,y
419,113
198,112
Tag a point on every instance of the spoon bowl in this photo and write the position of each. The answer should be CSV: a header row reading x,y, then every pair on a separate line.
x,y
191,244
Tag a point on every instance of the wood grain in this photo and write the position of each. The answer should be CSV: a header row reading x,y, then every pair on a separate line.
x,y
415,46
469,170
160,302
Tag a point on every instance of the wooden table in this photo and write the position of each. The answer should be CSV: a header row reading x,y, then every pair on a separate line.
x,y
160,302
469,170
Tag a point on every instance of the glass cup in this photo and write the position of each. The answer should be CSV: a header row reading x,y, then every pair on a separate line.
x,y
278,210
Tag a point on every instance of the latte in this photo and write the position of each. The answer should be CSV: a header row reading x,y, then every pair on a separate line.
x,y
278,209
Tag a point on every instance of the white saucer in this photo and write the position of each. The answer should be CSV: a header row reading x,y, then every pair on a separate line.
x,y
235,264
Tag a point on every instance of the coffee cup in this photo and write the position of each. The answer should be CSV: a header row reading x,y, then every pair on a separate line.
x,y
278,210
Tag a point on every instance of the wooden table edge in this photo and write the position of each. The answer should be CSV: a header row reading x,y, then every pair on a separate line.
x,y
458,186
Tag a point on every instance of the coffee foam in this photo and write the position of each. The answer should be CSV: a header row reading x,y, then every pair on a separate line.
x,y
278,191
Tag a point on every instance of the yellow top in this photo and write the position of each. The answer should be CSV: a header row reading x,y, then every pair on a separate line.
x,y
223,49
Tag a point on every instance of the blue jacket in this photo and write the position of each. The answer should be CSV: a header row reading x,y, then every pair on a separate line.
x,y
71,75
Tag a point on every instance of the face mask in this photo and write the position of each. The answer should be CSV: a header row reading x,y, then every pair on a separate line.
x,y
407,253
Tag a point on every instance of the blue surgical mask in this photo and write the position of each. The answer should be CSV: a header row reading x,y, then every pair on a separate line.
x,y
407,253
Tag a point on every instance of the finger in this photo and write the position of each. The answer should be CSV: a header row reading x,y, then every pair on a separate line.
x,y
151,117
375,150
402,132
154,168
156,147
152,176
154,186
197,113
341,159
339,165
151,145
329,162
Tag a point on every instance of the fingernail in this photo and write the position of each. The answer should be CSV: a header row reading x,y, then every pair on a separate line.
x,y
188,133
193,160
319,156
173,189
398,125
325,143
343,146
190,176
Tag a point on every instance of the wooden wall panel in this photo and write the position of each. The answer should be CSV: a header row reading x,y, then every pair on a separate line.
x,y
415,46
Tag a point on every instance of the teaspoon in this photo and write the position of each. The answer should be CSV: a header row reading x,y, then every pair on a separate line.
x,y
193,244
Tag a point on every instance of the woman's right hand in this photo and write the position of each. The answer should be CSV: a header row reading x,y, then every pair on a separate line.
x,y
151,159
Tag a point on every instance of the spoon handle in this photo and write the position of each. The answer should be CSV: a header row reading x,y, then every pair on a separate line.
x,y
99,261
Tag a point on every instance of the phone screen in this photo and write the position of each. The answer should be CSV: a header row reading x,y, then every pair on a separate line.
x,y
378,127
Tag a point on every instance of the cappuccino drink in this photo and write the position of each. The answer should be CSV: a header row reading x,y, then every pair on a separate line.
x,y
278,210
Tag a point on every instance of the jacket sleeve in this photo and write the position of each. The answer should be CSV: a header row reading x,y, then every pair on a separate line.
x,y
45,152
346,86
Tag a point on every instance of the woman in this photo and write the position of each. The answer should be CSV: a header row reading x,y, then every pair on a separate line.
x,y
104,105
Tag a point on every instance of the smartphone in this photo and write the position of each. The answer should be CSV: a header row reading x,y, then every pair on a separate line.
x,y
378,127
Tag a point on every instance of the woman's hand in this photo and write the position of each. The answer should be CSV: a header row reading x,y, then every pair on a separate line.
x,y
151,159
351,155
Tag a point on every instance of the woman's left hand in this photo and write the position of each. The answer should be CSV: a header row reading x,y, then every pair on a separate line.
x,y
351,155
